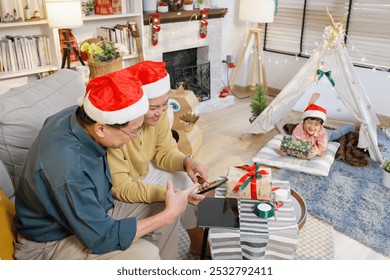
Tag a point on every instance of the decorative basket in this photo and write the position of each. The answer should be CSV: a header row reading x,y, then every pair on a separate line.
x,y
102,68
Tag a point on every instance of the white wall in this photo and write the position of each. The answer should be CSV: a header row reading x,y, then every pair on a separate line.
x,y
281,68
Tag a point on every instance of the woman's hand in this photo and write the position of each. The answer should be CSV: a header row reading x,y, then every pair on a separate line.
x,y
193,167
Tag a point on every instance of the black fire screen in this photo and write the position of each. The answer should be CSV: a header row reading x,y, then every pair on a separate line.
x,y
195,78
184,70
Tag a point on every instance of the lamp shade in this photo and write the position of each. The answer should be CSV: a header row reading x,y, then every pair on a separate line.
x,y
259,11
64,13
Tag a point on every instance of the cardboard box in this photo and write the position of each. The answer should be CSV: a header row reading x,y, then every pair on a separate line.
x,y
188,103
190,142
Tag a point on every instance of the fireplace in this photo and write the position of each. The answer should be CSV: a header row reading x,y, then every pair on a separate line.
x,y
190,69
183,37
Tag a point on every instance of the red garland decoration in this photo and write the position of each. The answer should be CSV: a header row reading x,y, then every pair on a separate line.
x,y
156,27
203,24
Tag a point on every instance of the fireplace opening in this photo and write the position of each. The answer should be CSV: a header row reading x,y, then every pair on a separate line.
x,y
191,69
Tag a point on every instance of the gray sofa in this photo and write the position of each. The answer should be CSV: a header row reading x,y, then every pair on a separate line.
x,y
23,111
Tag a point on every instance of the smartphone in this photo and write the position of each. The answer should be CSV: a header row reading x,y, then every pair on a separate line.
x,y
213,185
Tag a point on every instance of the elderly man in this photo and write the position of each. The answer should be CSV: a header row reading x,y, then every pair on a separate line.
x,y
64,203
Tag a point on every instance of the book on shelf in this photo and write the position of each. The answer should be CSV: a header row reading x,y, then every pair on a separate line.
x,y
41,49
125,36
47,50
136,38
17,50
4,55
126,6
23,51
103,33
12,55
1,61
120,34
32,46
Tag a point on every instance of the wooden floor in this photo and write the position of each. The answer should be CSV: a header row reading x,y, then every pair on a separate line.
x,y
224,145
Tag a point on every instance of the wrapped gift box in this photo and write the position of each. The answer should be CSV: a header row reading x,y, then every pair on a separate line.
x,y
243,184
295,147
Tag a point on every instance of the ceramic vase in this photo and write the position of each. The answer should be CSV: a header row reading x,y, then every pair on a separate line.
x,y
149,6
188,7
162,9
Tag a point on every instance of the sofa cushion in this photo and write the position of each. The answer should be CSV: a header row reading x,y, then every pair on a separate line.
x,y
5,181
7,232
23,111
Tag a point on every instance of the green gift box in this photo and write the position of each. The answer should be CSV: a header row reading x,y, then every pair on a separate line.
x,y
295,147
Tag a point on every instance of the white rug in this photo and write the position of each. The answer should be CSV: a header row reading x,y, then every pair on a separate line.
x,y
315,242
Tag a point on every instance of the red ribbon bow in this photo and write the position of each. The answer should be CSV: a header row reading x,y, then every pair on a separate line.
x,y
251,176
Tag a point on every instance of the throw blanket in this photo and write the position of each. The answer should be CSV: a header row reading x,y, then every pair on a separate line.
x,y
348,150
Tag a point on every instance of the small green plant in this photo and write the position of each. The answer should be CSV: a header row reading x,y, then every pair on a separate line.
x,y
386,165
103,51
259,101
90,4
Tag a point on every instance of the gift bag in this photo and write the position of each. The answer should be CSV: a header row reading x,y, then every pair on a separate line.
x,y
295,147
251,182
103,7
116,6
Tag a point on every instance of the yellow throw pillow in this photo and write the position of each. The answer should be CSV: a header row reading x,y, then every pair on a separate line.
x,y
7,232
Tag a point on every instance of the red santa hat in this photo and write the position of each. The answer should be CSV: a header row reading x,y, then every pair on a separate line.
x,y
314,111
153,76
114,98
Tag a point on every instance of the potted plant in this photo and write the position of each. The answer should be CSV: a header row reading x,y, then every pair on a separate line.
x,y
162,6
386,173
201,4
90,7
103,56
188,5
259,102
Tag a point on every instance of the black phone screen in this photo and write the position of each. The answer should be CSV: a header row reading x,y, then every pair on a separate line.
x,y
213,185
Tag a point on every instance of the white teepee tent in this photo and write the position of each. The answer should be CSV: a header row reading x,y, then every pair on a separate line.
x,y
330,61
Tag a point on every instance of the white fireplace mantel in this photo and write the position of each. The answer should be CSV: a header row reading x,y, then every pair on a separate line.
x,y
185,35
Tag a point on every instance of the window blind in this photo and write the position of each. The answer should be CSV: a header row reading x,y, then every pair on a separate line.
x,y
369,33
299,24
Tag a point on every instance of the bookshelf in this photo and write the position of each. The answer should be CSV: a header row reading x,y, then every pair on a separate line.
x,y
131,11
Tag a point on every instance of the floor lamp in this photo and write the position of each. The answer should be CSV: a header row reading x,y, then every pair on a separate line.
x,y
257,11
65,14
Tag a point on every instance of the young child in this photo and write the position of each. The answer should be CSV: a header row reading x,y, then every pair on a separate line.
x,y
312,130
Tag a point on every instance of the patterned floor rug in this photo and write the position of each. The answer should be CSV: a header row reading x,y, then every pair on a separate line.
x,y
315,242
352,199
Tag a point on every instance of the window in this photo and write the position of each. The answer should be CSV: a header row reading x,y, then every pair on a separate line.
x,y
299,24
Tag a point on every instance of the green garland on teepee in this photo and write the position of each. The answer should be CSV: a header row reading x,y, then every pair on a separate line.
x,y
259,101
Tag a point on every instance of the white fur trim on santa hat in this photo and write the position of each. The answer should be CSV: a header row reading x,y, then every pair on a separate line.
x,y
314,114
120,116
158,88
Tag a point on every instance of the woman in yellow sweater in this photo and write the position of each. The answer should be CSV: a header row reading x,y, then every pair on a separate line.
x,y
141,168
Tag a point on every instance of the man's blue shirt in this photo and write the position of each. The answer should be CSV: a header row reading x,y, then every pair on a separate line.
x,y
65,189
